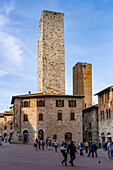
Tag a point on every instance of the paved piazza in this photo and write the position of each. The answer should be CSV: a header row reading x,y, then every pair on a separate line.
x,y
24,157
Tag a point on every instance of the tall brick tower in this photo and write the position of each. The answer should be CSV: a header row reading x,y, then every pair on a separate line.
x,y
51,57
82,82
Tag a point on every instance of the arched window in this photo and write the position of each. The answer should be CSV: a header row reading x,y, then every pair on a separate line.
x,y
108,133
41,103
72,116
107,114
25,117
26,104
102,115
109,117
59,115
40,117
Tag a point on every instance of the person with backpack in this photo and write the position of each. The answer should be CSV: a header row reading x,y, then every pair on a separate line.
x,y
91,150
35,143
81,148
43,143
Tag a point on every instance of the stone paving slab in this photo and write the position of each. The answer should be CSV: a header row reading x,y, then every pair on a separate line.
x,y
24,157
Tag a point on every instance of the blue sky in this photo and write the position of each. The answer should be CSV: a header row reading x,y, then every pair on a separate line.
x,y
88,36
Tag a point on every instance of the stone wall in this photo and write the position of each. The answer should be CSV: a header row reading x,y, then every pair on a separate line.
x,y
51,58
50,124
106,124
90,124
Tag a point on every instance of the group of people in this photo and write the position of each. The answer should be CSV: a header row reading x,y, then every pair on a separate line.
x,y
41,144
72,149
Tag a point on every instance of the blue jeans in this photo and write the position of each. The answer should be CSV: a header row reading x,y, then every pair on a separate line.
x,y
55,148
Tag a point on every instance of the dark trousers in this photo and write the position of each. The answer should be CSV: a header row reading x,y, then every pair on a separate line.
x,y
72,157
95,151
43,147
55,148
91,151
81,152
39,146
86,149
65,157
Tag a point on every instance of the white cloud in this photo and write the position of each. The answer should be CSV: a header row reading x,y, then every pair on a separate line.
x,y
10,46
3,73
8,7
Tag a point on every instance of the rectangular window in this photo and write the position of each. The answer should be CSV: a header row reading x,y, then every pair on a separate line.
x,y
59,103
41,103
72,103
72,116
59,116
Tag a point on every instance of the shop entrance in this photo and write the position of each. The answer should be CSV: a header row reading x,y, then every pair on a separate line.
x,y
41,134
25,136
68,137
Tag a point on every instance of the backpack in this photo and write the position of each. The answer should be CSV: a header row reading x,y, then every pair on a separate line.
x,y
81,145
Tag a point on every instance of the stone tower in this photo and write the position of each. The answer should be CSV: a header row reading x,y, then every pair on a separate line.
x,y
51,57
82,82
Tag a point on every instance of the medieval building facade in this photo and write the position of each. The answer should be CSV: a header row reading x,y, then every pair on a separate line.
x,y
50,113
105,114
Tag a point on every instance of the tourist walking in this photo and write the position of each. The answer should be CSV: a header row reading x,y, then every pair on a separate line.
x,y
39,143
95,149
111,148
64,153
71,148
50,145
43,143
63,143
81,149
55,145
91,150
108,148
35,143
86,146
75,146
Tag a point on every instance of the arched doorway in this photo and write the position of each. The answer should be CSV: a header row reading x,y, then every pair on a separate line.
x,y
68,137
41,134
103,137
109,136
25,136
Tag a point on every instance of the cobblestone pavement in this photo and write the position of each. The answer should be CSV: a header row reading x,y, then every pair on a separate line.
x,y
24,157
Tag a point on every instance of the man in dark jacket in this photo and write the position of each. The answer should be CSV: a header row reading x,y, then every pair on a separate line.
x,y
91,150
72,149
95,149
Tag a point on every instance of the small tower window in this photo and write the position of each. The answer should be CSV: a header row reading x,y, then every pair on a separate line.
x,y
40,117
